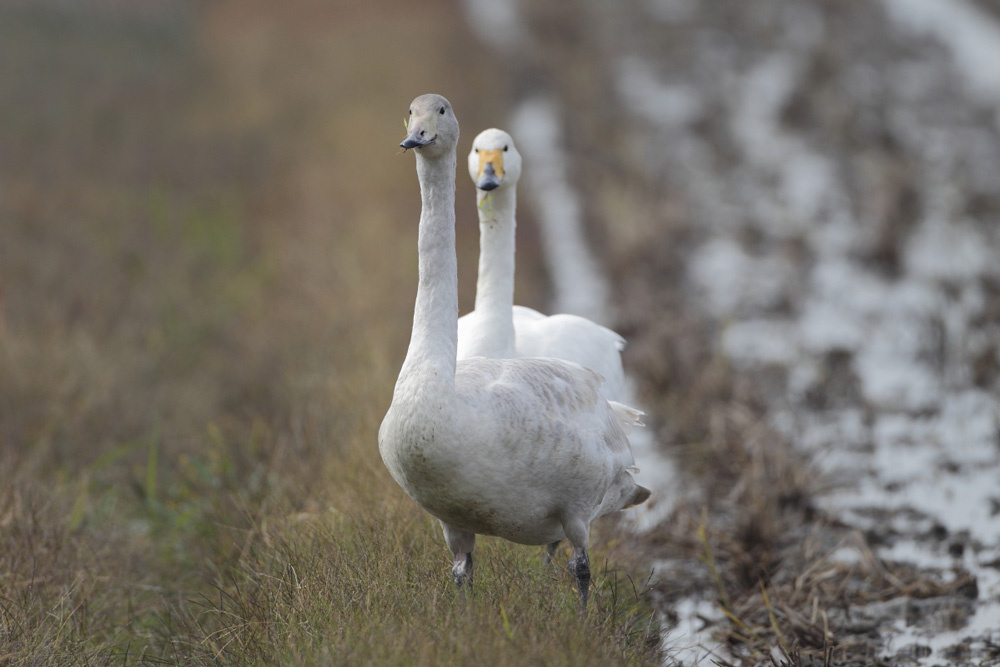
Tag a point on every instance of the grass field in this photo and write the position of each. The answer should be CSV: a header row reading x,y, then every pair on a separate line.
x,y
207,270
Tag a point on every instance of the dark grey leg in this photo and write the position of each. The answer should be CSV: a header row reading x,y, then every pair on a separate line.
x,y
578,534
550,551
579,566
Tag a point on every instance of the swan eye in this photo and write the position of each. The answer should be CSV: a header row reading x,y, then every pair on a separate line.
x,y
476,150
441,111
411,112
505,148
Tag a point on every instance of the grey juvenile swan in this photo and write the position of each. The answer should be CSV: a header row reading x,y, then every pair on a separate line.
x,y
524,449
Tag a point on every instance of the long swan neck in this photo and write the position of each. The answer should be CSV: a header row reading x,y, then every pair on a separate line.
x,y
434,340
495,286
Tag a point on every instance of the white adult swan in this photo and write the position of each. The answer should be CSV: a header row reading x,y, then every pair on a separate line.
x,y
498,328
524,449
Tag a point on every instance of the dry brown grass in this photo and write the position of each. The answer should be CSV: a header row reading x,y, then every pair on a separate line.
x,y
208,266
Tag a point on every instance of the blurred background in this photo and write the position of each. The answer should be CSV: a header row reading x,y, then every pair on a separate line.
x,y
207,271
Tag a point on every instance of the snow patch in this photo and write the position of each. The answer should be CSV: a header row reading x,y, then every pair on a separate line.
x,y
761,341
970,34
660,104
497,23
732,280
939,250
687,642
579,287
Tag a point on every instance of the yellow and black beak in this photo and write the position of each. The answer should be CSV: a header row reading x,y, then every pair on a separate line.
x,y
490,169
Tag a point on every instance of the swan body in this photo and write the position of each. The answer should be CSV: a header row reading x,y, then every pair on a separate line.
x,y
478,469
498,328
523,449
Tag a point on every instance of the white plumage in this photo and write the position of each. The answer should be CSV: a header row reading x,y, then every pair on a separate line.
x,y
497,328
524,449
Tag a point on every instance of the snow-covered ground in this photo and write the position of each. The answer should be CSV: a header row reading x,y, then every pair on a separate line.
x,y
846,197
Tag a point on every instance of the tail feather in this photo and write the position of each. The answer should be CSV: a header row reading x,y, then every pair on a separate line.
x,y
628,416
619,341
639,496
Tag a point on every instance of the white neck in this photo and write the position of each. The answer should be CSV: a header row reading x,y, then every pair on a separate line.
x,y
495,288
434,340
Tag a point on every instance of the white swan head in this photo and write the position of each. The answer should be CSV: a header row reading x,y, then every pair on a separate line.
x,y
432,127
494,161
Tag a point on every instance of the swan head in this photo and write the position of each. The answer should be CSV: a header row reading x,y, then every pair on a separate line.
x,y
432,128
494,161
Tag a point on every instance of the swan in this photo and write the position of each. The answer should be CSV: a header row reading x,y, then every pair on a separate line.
x,y
498,328
523,449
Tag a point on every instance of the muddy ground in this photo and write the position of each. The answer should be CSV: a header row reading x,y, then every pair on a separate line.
x,y
797,204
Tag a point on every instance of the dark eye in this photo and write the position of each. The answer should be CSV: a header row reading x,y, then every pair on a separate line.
x,y
411,112
505,148
441,111
476,150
